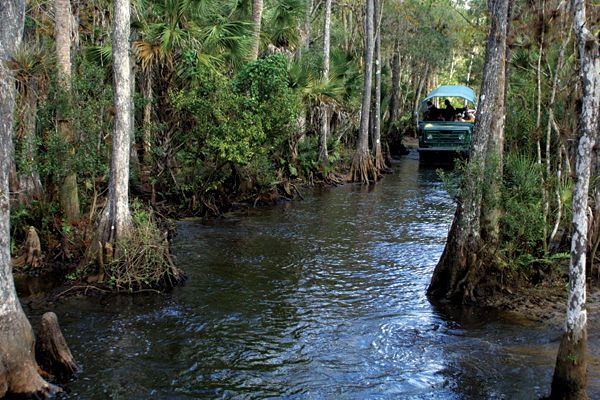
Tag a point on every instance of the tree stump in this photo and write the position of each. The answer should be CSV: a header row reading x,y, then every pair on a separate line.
x,y
51,350
33,248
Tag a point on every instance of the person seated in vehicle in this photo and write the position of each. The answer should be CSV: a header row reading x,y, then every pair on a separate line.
x,y
449,113
460,114
432,113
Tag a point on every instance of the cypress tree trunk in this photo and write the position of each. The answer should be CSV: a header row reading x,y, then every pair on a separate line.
x,y
257,9
362,168
420,86
30,184
307,26
394,105
116,220
18,368
464,260
147,115
324,109
69,196
570,375
377,153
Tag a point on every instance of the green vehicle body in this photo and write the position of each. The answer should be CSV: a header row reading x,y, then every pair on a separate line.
x,y
445,138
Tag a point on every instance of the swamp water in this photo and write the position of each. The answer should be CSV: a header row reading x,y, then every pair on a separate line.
x,y
316,299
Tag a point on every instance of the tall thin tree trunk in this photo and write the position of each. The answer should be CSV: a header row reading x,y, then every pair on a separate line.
x,y
419,92
30,183
377,153
257,9
147,117
116,220
470,68
570,374
465,262
324,109
69,195
307,25
18,368
394,106
362,165
133,147
549,128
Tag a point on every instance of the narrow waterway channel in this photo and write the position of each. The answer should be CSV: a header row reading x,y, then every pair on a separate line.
x,y
316,299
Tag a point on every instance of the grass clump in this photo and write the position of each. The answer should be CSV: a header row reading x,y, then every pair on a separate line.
x,y
142,259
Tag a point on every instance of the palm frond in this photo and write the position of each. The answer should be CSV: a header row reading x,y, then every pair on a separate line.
x,y
101,55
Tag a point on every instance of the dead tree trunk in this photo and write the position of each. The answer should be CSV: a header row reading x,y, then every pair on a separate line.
x,y
461,267
570,374
18,369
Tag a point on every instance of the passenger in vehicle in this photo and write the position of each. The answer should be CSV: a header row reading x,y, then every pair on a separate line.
x,y
449,113
432,113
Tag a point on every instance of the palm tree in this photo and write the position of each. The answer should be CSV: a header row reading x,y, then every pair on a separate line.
x,y
281,25
28,64
257,10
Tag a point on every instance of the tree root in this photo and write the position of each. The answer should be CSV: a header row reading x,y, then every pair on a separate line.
x,y
362,169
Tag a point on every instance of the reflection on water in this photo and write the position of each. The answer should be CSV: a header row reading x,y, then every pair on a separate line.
x,y
320,299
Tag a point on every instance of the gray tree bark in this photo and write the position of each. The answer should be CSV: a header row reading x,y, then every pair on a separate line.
x,y
30,184
394,105
324,132
307,26
362,168
377,153
69,195
18,368
257,9
570,374
116,220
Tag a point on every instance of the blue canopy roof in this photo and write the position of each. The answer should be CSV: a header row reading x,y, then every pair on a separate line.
x,y
461,91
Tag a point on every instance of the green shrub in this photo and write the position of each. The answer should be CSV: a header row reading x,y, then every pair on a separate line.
x,y
522,223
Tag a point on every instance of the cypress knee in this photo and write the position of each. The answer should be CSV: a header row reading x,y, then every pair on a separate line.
x,y
52,353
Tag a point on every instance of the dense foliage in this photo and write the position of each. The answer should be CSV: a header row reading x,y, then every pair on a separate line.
x,y
213,129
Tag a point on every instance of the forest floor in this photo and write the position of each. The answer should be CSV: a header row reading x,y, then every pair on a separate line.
x,y
546,303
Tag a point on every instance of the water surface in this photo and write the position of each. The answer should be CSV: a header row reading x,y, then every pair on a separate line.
x,y
316,299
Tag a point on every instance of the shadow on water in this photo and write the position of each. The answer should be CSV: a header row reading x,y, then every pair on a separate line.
x,y
322,298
